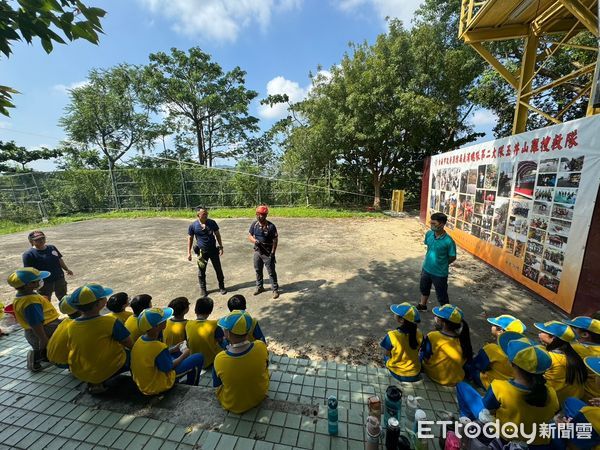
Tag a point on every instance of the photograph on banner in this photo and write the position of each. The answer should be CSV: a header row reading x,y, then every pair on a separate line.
x,y
529,198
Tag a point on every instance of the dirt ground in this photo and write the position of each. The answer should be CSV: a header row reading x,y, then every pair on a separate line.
x,y
338,278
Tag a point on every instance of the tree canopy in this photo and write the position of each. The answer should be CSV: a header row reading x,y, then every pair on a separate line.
x,y
11,152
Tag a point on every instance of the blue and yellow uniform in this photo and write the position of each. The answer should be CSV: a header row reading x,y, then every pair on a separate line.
x,y
491,363
132,326
203,337
255,333
403,363
556,377
592,384
95,350
443,358
122,316
33,309
57,349
242,378
152,366
175,332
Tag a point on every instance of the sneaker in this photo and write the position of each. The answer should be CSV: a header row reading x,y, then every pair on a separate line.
x,y
259,290
32,364
275,294
223,291
421,307
96,389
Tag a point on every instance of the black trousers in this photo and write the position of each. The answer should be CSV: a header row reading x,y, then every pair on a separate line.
x,y
268,261
58,287
211,255
439,283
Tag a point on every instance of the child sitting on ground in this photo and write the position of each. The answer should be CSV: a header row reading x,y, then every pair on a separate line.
x,y
58,351
203,335
402,344
524,400
96,343
568,373
116,305
34,312
445,351
491,363
241,372
152,367
174,333
588,345
239,302
138,304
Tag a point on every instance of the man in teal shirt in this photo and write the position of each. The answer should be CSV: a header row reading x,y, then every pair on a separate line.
x,y
441,252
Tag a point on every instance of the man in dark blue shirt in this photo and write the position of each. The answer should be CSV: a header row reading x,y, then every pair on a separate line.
x,y
263,234
206,232
46,257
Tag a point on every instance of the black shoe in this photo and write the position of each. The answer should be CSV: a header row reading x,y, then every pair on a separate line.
x,y
223,291
275,294
421,307
259,290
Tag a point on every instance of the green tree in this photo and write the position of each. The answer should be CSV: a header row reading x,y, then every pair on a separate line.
x,y
11,152
26,19
81,158
204,104
109,114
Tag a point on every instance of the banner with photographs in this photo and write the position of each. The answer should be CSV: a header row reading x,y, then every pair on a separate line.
x,y
524,203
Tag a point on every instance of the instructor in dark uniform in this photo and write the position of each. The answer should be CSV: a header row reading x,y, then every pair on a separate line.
x,y
207,235
263,234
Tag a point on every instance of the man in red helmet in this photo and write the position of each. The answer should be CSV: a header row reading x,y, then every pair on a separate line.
x,y
263,234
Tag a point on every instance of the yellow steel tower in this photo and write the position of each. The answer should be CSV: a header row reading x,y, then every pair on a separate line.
x,y
531,20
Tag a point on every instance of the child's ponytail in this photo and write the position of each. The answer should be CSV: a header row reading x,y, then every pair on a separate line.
x,y
465,341
538,394
576,370
410,328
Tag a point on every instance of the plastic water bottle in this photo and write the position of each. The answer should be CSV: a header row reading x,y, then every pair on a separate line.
x,y
412,404
373,433
332,415
419,415
393,399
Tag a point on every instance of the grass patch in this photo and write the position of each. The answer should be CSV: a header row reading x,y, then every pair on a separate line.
x,y
7,226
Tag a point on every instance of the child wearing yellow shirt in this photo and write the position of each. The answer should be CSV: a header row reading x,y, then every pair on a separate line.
x,y
96,343
117,304
138,304
174,332
152,366
204,336
238,301
491,363
445,351
568,373
587,330
58,350
33,312
241,372
402,344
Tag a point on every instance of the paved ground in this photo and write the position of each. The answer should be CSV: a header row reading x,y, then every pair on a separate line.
x,y
338,277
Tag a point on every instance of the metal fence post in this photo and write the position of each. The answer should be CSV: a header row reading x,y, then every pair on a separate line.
x,y
113,182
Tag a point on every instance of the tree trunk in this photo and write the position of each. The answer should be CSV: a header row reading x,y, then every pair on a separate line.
x,y
377,182
113,182
200,143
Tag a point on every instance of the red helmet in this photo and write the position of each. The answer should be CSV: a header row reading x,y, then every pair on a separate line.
x,y
262,209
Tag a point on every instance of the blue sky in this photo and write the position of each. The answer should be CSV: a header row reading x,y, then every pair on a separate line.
x,y
277,42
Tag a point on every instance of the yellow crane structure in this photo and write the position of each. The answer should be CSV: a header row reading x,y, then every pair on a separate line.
x,y
483,21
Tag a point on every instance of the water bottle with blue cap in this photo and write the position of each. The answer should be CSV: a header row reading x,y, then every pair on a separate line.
x,y
332,415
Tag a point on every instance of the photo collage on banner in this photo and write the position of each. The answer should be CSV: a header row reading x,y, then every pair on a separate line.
x,y
520,197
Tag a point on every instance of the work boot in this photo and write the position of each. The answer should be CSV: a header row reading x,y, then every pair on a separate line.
x,y
276,294
259,290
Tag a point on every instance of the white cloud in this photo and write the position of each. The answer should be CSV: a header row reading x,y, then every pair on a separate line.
x,y
64,88
400,9
219,20
484,118
280,85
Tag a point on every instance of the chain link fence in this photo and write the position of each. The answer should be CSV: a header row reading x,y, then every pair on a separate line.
x,y
35,196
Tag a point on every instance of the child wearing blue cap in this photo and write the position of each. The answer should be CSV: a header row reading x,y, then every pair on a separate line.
x,y
174,333
34,312
580,414
523,400
203,335
241,372
402,344
152,367
568,373
58,350
491,362
238,301
117,304
138,304
445,351
96,343
587,345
